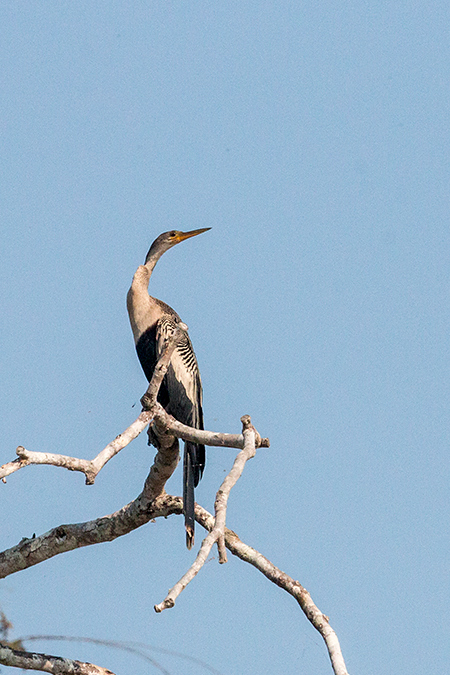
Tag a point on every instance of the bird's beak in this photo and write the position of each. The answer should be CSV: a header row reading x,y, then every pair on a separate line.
x,y
181,236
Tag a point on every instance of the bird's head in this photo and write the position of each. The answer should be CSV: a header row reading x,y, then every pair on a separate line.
x,y
168,239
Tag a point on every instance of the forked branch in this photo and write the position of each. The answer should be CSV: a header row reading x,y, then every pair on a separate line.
x,y
153,411
250,555
69,537
217,533
90,467
152,503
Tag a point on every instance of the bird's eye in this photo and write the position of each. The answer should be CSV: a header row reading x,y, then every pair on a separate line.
x,y
172,233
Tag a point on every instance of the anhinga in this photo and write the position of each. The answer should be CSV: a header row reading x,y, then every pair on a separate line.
x,y
181,390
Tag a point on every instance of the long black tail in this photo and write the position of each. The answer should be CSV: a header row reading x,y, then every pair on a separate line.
x,y
193,464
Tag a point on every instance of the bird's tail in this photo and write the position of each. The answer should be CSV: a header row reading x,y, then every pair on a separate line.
x,y
192,469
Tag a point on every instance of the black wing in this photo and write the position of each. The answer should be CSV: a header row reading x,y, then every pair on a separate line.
x,y
184,389
181,395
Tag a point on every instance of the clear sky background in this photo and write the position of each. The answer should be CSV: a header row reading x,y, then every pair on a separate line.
x,y
314,139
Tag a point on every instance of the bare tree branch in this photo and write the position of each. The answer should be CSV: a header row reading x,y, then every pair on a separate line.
x,y
150,504
90,467
69,537
167,429
153,502
210,438
29,552
47,663
250,555
217,533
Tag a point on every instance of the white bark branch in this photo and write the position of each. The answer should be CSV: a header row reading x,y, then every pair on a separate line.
x,y
210,438
68,537
47,663
217,533
153,502
250,555
91,467
166,426
29,552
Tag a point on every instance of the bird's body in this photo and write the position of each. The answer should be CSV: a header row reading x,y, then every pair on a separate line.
x,y
181,390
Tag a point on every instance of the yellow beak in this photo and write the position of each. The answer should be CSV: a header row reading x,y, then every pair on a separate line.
x,y
181,236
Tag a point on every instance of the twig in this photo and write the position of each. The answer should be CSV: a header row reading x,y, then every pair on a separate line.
x,y
47,663
210,438
90,467
217,533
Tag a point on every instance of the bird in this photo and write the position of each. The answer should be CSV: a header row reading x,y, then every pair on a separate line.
x,y
180,394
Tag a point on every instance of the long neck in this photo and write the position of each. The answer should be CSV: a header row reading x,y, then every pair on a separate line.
x,y
152,257
143,310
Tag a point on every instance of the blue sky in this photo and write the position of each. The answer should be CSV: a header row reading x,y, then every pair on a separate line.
x,y
314,140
